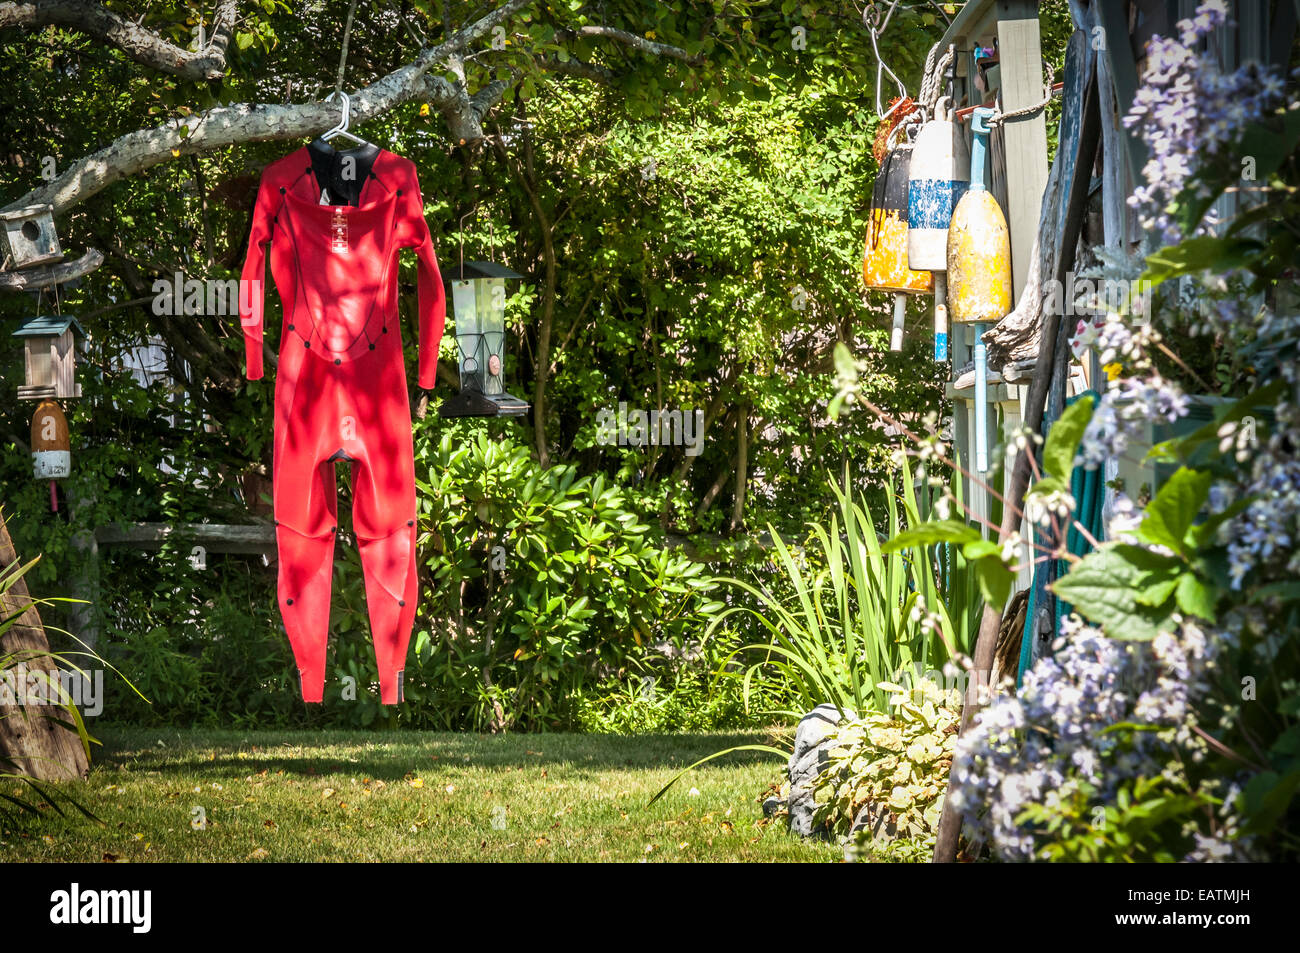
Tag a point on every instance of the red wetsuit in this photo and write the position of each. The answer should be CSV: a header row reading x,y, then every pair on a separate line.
x,y
340,394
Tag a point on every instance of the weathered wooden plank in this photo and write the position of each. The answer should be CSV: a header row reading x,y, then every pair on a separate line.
x,y
213,537
1021,71
1123,70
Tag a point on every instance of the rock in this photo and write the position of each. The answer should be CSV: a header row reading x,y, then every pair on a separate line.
x,y
810,758
772,805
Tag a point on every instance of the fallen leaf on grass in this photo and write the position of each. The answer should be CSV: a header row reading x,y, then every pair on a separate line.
x,y
260,854
416,782
542,841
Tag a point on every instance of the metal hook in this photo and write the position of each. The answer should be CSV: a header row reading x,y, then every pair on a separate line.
x,y
869,17
461,235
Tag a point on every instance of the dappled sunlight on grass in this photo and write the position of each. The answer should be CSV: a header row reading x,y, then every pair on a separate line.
x,y
338,796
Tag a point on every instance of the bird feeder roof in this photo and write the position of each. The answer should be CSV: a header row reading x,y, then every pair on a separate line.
x,y
50,325
477,269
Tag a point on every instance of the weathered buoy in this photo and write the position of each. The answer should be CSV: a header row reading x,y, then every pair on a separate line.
x,y
884,256
51,448
979,247
885,253
979,270
937,179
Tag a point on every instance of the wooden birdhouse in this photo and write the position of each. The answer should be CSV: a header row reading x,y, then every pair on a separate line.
x,y
50,345
27,237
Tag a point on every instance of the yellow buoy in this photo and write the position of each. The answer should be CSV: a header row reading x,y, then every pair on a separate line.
x,y
979,245
979,271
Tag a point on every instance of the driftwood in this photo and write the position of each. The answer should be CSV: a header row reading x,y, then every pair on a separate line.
x,y
43,276
32,741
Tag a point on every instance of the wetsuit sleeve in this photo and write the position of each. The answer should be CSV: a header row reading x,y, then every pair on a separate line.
x,y
433,300
251,280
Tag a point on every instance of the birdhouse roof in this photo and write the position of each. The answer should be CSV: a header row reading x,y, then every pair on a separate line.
x,y
477,269
27,211
50,325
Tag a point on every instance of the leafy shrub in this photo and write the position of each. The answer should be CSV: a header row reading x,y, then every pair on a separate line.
x,y
540,582
895,764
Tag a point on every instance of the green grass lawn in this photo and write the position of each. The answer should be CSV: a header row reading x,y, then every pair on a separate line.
x,y
360,796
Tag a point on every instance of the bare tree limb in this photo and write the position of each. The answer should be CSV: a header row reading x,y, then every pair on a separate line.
x,y
248,122
141,45
42,276
634,41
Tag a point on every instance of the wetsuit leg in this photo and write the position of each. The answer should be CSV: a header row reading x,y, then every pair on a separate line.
x,y
383,513
306,511
306,566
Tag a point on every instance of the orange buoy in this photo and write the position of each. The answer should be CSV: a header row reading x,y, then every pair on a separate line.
x,y
884,256
51,448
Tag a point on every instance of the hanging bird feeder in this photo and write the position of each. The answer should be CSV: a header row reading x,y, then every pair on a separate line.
x,y
884,257
937,178
51,449
979,270
27,237
477,292
50,351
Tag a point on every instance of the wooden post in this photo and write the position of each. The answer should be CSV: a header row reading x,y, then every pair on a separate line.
x,y
84,615
32,742
1025,136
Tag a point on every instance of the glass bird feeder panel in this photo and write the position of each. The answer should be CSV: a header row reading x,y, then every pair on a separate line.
x,y
479,309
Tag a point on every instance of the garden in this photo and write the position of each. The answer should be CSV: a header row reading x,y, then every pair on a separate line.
x,y
726,528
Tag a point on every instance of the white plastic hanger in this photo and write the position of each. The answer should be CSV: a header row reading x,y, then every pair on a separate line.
x,y
342,128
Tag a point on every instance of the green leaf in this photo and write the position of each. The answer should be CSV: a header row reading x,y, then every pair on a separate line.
x,y
1157,592
939,531
1103,587
1063,438
1196,598
1197,254
995,580
1266,798
1169,516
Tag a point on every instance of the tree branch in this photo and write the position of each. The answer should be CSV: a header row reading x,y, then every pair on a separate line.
x,y
135,41
248,122
634,41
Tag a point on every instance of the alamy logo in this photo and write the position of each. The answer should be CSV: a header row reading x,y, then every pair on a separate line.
x,y
216,297
20,685
654,428
74,906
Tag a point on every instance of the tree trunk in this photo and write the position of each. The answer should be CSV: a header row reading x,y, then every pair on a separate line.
x,y
32,742
742,470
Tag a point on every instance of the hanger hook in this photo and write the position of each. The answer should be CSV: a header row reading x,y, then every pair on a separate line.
x,y
347,112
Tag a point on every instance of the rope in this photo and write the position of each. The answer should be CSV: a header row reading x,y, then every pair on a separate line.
x,y
1000,117
932,84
